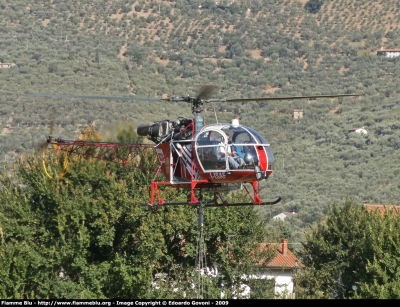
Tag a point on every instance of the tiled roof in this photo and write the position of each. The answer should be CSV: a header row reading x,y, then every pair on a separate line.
x,y
281,259
382,208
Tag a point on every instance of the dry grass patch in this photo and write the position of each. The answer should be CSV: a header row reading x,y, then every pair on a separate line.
x,y
319,60
162,62
256,54
143,14
213,60
118,15
82,23
342,70
7,129
305,65
122,52
334,110
222,48
271,89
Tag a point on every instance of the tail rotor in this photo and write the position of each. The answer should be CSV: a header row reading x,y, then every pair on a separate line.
x,y
43,155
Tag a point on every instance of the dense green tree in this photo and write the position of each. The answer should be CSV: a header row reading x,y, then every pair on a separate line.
x,y
332,253
382,279
352,253
313,6
234,8
74,228
319,53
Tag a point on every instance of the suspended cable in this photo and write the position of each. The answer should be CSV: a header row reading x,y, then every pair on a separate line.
x,y
201,262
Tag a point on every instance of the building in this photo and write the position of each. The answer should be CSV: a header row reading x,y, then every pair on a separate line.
x,y
282,216
388,53
276,275
281,269
298,113
362,131
7,65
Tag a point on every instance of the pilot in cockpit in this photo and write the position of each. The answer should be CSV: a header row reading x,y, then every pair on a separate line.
x,y
234,160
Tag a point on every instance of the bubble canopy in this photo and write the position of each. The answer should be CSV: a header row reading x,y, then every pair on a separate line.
x,y
239,136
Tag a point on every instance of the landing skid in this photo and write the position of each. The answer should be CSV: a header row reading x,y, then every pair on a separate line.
x,y
265,203
198,185
212,203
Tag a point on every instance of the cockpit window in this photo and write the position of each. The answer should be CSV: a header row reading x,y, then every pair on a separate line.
x,y
243,137
261,140
258,136
239,135
207,145
209,138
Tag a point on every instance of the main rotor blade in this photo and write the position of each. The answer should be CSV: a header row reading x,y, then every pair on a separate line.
x,y
132,98
289,98
205,92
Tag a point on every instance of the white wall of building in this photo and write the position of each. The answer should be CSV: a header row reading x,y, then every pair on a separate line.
x,y
284,286
280,216
392,54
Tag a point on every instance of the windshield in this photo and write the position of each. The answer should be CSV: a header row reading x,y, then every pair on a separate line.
x,y
239,136
261,140
245,135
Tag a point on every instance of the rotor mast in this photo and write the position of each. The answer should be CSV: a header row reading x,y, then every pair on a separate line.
x,y
197,107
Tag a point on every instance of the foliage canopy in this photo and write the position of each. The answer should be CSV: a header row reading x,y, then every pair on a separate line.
x,y
83,234
313,6
249,49
353,253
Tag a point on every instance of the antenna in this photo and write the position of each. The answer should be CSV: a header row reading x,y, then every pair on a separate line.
x,y
215,115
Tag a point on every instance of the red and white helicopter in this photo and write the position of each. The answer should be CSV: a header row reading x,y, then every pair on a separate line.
x,y
189,152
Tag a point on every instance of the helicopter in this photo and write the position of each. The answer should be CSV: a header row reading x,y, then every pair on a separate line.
x,y
191,154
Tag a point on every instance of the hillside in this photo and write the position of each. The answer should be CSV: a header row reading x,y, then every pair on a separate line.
x,y
249,49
